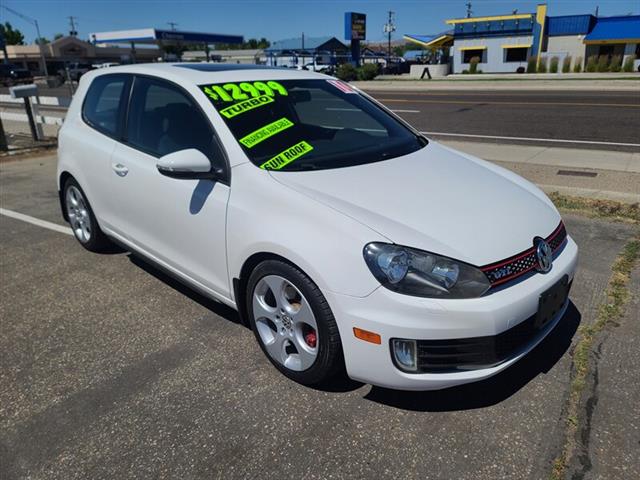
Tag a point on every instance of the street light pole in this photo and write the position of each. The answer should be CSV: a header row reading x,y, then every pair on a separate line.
x,y
44,60
389,28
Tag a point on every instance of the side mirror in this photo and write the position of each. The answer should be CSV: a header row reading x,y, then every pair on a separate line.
x,y
190,164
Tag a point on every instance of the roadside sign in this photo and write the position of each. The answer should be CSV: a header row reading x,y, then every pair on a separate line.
x,y
355,26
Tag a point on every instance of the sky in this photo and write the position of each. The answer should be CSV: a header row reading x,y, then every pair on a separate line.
x,y
275,19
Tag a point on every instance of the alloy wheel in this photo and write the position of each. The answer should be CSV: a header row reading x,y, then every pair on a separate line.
x,y
285,323
78,213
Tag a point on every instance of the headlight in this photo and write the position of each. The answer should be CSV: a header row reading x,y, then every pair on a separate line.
x,y
423,274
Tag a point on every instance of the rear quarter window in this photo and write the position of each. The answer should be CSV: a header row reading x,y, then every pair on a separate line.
x,y
103,103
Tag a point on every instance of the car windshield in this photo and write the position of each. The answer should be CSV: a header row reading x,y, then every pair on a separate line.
x,y
294,125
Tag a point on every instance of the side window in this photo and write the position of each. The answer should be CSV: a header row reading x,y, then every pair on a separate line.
x,y
163,119
103,102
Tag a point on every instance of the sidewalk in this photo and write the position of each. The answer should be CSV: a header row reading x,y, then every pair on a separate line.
x,y
553,81
611,437
599,174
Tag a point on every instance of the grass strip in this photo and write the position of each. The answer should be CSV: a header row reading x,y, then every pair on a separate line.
x,y
611,310
593,208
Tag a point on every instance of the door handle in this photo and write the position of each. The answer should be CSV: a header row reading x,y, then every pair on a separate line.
x,y
120,169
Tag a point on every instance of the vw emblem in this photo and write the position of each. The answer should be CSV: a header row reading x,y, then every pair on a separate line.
x,y
544,255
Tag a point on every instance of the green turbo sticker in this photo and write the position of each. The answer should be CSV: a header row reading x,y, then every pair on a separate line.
x,y
265,132
286,157
246,105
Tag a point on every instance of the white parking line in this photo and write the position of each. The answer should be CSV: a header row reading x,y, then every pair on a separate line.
x,y
529,139
36,221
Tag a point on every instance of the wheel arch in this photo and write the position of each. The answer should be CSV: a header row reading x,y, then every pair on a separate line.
x,y
240,283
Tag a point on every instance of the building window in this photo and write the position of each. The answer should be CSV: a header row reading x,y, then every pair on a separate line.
x,y
518,54
467,55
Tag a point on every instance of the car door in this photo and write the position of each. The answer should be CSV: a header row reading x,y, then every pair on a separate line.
x,y
94,134
178,222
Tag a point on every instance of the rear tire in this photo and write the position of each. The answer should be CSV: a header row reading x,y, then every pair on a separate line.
x,y
82,219
294,324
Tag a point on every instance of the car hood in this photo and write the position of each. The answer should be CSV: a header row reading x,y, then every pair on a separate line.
x,y
436,199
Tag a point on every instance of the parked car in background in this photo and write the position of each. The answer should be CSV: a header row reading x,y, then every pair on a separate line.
x,y
105,65
320,67
11,74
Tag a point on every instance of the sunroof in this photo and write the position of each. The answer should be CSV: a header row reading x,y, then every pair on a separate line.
x,y
223,67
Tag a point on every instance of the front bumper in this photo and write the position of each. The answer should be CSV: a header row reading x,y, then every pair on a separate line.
x,y
392,315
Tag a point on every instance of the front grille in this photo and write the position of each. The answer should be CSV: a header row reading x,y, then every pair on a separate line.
x,y
439,356
522,263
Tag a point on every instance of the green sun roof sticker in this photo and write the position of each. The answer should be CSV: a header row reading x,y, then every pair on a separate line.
x,y
245,106
265,132
287,156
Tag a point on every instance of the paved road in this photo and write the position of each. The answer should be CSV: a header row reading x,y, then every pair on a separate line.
x,y
112,370
609,117
606,118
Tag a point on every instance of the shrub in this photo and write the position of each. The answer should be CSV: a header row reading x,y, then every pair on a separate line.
x,y
577,66
473,65
616,62
628,64
542,66
592,64
603,63
520,70
553,65
346,72
465,72
368,71
531,64
566,64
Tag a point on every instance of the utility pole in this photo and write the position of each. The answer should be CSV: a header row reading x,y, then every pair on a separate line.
x,y
469,12
597,10
173,26
32,21
72,23
389,28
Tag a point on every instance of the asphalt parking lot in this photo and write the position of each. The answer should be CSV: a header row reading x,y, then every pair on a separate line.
x,y
112,370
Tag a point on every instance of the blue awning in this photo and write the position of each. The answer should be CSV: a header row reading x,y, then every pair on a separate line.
x,y
615,30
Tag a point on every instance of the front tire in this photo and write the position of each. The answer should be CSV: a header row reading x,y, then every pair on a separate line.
x,y
82,219
293,323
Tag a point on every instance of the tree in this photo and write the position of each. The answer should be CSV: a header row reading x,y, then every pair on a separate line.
x,y
11,36
58,36
42,40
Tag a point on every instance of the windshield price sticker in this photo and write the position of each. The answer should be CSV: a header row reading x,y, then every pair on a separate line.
x,y
342,86
230,92
265,132
287,156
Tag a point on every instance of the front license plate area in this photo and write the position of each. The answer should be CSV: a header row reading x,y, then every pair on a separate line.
x,y
551,301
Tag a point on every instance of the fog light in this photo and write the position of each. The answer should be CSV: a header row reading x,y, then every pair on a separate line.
x,y
404,353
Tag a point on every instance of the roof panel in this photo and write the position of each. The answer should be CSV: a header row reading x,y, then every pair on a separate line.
x,y
223,67
615,28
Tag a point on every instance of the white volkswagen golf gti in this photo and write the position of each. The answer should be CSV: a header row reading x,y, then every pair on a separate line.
x,y
344,237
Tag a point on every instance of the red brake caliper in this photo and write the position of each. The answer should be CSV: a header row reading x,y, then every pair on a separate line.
x,y
311,339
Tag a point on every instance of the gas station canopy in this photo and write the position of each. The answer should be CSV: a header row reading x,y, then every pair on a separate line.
x,y
156,36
